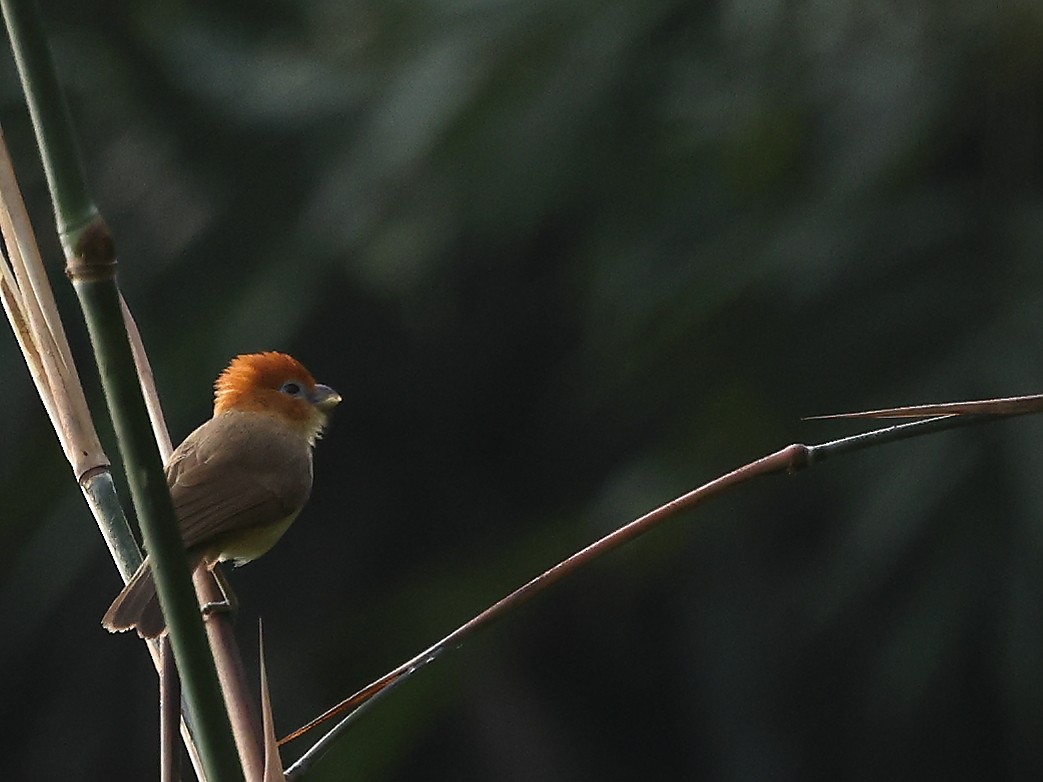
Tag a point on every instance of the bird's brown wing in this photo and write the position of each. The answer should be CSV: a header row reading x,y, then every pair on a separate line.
x,y
235,472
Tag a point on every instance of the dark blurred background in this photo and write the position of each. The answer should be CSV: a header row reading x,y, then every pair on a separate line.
x,y
566,260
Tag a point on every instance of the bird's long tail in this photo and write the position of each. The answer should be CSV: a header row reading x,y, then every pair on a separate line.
x,y
137,607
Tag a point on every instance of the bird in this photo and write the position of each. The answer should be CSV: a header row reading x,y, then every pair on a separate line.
x,y
239,480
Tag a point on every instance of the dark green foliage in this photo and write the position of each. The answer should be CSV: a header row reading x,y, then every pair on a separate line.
x,y
566,260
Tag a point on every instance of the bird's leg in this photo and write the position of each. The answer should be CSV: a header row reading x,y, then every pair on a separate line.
x,y
227,603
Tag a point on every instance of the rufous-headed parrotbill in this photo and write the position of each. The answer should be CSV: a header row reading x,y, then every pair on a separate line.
x,y
240,479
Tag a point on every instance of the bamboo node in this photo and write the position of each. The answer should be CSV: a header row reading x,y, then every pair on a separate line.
x,y
93,257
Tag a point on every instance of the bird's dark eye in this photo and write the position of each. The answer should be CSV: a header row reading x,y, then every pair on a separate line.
x,y
291,388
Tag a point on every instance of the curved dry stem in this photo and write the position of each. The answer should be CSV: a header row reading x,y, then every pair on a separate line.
x,y
792,458
148,384
273,771
1003,406
34,316
789,459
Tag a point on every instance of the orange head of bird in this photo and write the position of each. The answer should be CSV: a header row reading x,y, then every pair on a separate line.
x,y
278,385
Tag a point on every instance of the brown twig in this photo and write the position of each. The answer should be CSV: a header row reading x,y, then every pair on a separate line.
x,y
169,716
273,771
242,712
789,459
1003,406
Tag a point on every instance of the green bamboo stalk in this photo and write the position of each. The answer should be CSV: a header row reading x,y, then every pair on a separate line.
x,y
61,160
100,493
25,292
91,266
99,299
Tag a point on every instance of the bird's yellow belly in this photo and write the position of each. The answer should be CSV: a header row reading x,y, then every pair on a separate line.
x,y
247,545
